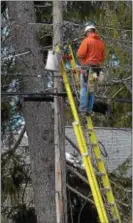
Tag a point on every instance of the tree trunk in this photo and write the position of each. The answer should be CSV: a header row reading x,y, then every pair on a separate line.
x,y
60,162
38,115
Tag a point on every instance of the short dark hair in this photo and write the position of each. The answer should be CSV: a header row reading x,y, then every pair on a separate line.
x,y
92,30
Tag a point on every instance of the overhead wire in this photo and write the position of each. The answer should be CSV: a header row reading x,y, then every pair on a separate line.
x,y
104,151
41,95
82,25
102,26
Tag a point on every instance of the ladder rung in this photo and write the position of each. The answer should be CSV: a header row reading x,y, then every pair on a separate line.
x,y
111,204
99,159
85,154
76,123
105,189
90,130
94,144
100,174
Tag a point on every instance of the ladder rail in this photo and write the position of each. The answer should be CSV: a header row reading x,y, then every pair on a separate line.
x,y
102,169
83,149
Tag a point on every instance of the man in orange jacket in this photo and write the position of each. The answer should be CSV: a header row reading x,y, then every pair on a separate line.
x,y
91,53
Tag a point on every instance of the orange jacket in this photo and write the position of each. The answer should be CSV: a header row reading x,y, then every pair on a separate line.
x,y
91,50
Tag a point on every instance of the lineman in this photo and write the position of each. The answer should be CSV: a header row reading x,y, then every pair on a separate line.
x,y
91,53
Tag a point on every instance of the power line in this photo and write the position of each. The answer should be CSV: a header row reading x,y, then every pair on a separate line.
x,y
42,6
116,40
107,27
63,94
78,39
104,27
82,25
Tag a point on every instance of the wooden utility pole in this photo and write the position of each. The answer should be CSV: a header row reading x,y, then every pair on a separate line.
x,y
60,163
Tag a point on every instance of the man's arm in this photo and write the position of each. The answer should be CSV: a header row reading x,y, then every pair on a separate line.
x,y
82,50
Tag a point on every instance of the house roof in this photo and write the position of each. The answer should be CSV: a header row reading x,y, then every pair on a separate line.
x,y
117,143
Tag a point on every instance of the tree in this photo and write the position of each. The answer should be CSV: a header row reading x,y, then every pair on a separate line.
x,y
38,116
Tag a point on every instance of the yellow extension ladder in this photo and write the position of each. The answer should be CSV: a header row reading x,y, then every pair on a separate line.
x,y
103,197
